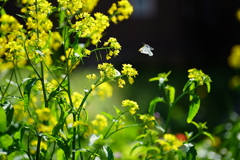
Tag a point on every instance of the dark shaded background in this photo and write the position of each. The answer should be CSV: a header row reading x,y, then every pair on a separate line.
x,y
184,34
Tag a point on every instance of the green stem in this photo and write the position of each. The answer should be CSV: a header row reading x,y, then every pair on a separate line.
x,y
112,125
4,92
38,147
171,106
43,85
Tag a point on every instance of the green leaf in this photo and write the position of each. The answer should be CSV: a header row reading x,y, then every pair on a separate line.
x,y
153,103
5,141
190,151
209,135
118,111
194,107
189,82
27,90
8,110
61,120
108,152
107,115
3,120
208,86
136,146
171,94
154,79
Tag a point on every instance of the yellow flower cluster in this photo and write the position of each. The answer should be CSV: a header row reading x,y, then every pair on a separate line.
x,y
76,99
131,105
148,120
129,72
120,11
71,6
234,58
107,71
198,76
89,26
91,76
105,90
89,5
115,47
170,142
85,129
11,45
100,121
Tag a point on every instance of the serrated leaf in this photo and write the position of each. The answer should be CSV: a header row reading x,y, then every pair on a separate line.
x,y
27,91
153,103
3,120
193,109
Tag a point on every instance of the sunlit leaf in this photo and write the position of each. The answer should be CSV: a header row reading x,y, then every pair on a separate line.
x,y
208,86
9,110
171,91
193,109
3,120
5,141
209,135
189,82
107,115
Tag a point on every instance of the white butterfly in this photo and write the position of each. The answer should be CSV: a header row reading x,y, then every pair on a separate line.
x,y
146,49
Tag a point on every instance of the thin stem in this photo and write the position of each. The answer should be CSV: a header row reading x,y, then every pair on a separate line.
x,y
38,147
4,92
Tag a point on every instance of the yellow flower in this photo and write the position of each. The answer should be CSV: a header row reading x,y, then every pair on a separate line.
x,y
120,11
114,49
105,90
89,5
129,72
43,114
148,120
198,76
131,105
170,142
234,58
76,99
91,76
100,121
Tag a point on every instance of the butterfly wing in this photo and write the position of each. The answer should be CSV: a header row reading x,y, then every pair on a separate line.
x,y
146,49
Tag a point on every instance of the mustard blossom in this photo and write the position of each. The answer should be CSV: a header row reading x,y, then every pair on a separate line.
x,y
198,76
170,142
129,72
100,121
115,47
148,120
131,105
120,11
